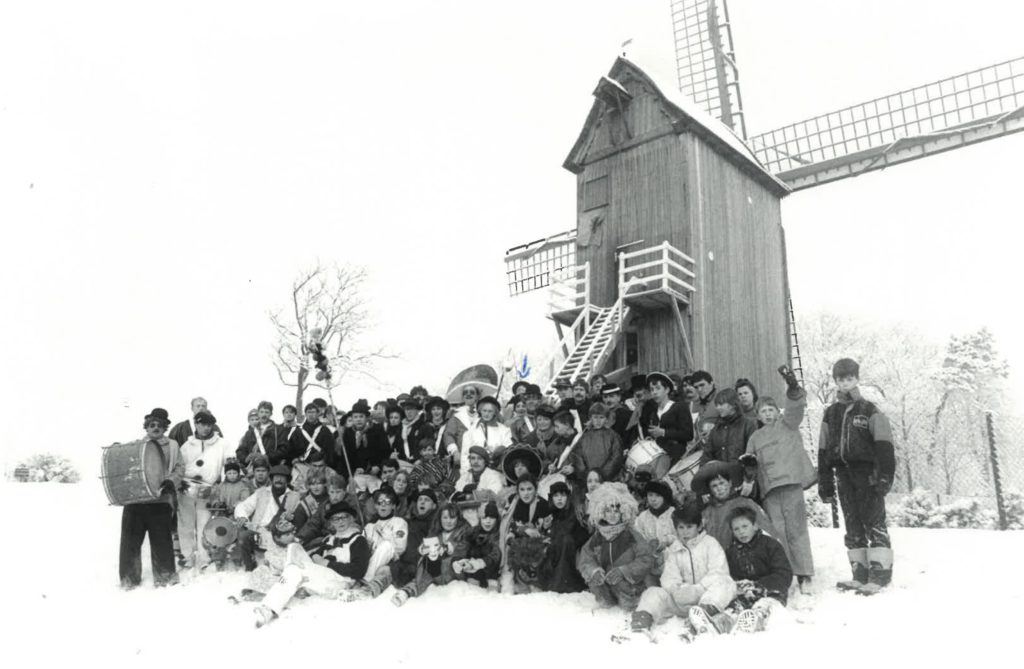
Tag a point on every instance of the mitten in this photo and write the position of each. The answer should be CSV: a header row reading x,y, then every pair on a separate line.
x,y
789,376
614,576
597,578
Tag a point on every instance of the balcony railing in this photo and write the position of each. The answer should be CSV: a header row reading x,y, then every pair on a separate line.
x,y
656,273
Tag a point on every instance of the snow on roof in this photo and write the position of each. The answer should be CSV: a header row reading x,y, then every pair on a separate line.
x,y
712,125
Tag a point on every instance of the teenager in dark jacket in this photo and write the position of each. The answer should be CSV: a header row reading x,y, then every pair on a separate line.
x,y
856,444
312,442
482,564
393,431
728,440
421,519
668,423
567,534
758,564
599,447
263,438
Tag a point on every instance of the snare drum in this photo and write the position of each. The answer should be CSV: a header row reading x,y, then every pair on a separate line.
x,y
647,456
220,532
682,473
132,473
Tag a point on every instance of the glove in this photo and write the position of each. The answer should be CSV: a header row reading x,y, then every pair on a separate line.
x,y
614,576
789,376
749,460
400,598
597,578
459,566
167,486
183,486
883,486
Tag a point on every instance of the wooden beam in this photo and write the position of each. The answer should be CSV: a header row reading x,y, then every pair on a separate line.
x,y
686,338
561,338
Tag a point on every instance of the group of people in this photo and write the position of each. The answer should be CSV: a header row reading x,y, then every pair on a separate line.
x,y
536,493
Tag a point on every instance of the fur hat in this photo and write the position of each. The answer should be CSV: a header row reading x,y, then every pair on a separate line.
x,y
437,402
427,492
659,488
612,494
205,418
712,470
232,465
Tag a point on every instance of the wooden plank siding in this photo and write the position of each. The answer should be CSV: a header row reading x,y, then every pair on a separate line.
x,y
667,183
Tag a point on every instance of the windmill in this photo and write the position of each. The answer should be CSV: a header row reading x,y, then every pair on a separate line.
x,y
677,260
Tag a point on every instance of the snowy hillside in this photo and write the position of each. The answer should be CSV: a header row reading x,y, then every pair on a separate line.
x,y
948,605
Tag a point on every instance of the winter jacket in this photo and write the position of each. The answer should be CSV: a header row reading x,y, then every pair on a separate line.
x,y
482,547
677,423
347,555
311,504
716,518
371,451
230,494
728,440
550,446
174,466
267,441
657,526
705,407
393,529
618,421
597,449
489,480
627,551
854,431
312,443
491,437
566,534
697,572
522,427
763,561
456,542
261,507
204,458
779,449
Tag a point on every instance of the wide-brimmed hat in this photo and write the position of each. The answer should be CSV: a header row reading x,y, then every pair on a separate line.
x,y
524,453
712,470
662,378
520,384
437,402
483,377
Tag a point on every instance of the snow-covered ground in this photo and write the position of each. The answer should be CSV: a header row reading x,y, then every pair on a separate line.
x,y
956,598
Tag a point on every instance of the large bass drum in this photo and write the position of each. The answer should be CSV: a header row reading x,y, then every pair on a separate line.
x,y
132,473
681,474
647,457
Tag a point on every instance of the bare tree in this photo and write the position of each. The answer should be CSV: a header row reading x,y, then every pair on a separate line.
x,y
326,304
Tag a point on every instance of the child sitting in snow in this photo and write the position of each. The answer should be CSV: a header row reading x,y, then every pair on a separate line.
x,y
316,492
452,527
720,481
434,568
232,490
695,574
337,566
387,534
655,524
761,569
566,534
482,563
616,560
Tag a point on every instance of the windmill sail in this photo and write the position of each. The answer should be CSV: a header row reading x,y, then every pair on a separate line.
x,y
529,267
943,115
705,60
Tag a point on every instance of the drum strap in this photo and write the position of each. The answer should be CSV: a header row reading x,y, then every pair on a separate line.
x,y
312,442
259,440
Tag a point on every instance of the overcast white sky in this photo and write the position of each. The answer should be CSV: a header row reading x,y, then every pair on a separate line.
x,y
164,172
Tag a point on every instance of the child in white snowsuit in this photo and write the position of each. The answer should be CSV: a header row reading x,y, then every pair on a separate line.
x,y
387,534
656,525
339,564
695,573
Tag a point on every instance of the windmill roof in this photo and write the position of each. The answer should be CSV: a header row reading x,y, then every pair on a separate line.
x,y
693,118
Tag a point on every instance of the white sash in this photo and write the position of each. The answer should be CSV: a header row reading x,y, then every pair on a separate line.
x,y
259,440
312,442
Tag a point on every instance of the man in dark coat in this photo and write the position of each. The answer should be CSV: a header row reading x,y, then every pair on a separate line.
x,y
186,428
365,443
704,405
263,438
618,415
312,443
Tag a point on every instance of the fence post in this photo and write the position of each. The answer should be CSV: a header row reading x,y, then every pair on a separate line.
x,y
835,502
997,479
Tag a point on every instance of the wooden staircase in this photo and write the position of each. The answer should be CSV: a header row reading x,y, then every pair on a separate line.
x,y
594,348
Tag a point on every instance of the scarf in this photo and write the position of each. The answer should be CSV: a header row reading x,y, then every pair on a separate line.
x,y
609,532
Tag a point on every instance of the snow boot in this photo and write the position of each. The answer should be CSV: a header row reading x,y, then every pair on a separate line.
x,y
804,583
263,615
748,622
859,565
709,620
641,621
879,570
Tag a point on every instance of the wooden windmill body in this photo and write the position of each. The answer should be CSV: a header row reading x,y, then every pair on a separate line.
x,y
677,261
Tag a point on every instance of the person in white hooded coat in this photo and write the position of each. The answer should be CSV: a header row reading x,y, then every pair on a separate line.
x,y
203,456
696,573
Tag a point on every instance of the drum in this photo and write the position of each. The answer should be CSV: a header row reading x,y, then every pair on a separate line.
x,y
647,456
544,485
133,472
681,474
220,532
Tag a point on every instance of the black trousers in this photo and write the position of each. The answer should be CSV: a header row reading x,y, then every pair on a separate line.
x,y
863,507
136,521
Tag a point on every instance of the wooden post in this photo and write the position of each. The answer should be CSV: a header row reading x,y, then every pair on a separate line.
x,y
682,330
997,479
664,266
